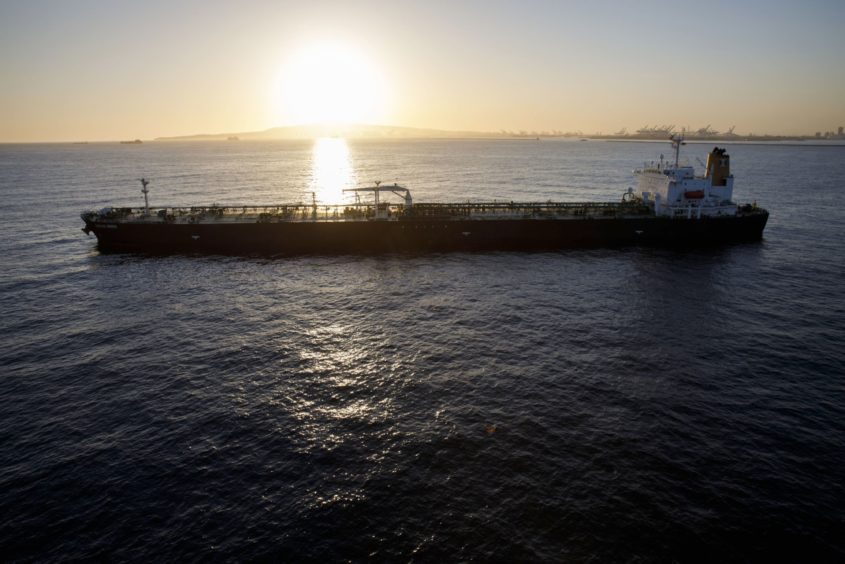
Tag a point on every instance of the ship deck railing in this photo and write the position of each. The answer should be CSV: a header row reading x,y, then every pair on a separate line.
x,y
361,212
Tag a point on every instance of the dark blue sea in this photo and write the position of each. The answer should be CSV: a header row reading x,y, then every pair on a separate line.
x,y
579,406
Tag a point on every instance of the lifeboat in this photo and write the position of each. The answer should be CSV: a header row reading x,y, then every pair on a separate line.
x,y
694,195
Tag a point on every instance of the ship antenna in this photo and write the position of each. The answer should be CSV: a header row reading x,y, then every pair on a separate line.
x,y
144,183
677,141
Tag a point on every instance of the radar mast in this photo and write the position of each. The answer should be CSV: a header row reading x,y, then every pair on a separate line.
x,y
144,183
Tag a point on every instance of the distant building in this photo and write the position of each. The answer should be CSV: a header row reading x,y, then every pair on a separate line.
x,y
839,131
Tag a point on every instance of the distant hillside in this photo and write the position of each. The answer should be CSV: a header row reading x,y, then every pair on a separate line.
x,y
359,131
348,131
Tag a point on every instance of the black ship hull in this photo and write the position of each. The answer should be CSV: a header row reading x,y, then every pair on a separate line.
x,y
423,235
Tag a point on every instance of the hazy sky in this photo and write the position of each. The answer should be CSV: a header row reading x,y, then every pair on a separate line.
x,y
99,70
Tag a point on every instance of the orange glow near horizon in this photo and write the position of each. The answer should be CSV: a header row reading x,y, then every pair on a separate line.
x,y
245,68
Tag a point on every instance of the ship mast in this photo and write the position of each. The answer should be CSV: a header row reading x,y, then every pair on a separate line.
x,y
144,183
375,194
677,141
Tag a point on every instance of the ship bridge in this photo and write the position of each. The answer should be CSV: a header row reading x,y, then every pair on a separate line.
x,y
675,190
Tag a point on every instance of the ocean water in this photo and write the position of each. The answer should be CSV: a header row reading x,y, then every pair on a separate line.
x,y
601,405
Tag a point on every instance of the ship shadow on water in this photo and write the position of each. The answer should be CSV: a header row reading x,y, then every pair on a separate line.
x,y
703,248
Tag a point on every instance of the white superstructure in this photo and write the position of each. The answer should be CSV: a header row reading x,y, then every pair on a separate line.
x,y
674,190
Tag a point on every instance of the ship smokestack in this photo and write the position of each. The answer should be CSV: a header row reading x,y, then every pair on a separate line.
x,y
718,167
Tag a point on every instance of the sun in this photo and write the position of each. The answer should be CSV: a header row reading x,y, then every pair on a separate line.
x,y
331,83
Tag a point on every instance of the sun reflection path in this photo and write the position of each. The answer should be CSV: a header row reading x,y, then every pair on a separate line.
x,y
331,170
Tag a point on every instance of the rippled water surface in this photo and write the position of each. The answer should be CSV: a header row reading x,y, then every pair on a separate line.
x,y
601,405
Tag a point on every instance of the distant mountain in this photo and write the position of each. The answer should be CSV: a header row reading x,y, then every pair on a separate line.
x,y
356,131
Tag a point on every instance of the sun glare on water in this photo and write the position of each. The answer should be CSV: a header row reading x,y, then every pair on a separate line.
x,y
331,170
331,83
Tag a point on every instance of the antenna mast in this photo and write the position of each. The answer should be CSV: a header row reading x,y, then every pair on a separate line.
x,y
144,183
677,141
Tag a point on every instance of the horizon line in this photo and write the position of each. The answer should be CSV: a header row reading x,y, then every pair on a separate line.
x,y
430,133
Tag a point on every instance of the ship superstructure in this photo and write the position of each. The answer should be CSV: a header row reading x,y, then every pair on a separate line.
x,y
670,189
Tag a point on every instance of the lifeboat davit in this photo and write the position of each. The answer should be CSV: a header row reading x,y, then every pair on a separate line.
x,y
694,195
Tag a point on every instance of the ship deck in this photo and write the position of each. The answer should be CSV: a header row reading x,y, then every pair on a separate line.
x,y
364,212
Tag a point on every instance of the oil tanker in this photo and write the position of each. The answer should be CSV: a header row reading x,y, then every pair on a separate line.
x,y
671,206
